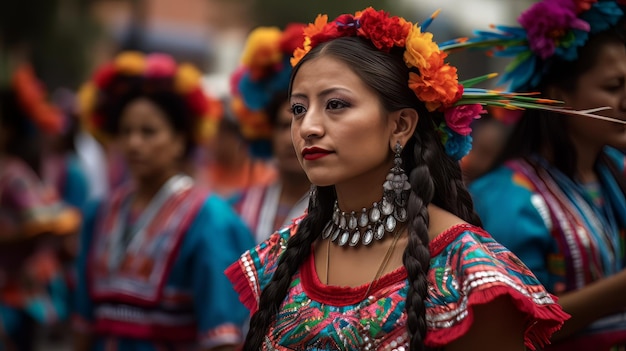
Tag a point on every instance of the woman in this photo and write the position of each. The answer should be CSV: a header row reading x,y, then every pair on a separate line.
x,y
557,198
412,271
34,222
260,103
152,256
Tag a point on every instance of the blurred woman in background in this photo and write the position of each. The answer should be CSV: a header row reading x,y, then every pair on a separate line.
x,y
557,197
153,254
261,105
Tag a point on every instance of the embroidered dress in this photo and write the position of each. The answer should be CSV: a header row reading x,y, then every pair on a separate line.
x,y
157,283
565,234
468,268
259,208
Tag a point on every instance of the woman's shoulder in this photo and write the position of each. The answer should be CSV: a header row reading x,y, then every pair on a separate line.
x,y
469,268
255,268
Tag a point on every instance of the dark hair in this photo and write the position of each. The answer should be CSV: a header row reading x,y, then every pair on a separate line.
x,y
433,175
159,91
23,139
273,108
539,130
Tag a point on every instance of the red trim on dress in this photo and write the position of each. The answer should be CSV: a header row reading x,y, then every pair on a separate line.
x,y
341,296
548,318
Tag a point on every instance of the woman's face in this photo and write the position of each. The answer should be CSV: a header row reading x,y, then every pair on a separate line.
x,y
282,144
340,131
148,141
602,85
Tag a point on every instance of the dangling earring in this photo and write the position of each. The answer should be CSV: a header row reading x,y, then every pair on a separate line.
x,y
397,183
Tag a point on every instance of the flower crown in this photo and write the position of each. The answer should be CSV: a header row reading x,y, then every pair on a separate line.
x,y
433,81
31,97
264,72
184,79
549,29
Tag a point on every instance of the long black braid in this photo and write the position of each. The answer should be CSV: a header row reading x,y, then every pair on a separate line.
x,y
298,249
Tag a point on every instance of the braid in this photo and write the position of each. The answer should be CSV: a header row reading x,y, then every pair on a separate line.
x,y
416,256
298,249
451,193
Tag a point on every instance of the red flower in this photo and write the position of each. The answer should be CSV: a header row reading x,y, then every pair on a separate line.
x,y
329,32
292,38
197,102
104,75
385,32
347,25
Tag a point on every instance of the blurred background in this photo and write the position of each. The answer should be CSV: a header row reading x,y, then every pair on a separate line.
x,y
66,39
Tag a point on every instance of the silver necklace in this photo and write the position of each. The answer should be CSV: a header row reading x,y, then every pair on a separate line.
x,y
353,228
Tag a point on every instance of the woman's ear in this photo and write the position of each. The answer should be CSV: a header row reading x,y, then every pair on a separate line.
x,y
404,122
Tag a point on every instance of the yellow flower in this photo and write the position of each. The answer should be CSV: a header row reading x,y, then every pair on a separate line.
x,y
187,78
419,48
262,50
130,62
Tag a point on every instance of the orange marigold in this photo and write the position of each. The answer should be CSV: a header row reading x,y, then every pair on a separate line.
x,y
437,87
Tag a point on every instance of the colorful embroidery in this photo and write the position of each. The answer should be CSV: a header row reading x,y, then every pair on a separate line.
x,y
468,267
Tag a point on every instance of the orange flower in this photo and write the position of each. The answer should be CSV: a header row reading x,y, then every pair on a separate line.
x,y
316,27
130,63
300,52
187,78
436,88
419,48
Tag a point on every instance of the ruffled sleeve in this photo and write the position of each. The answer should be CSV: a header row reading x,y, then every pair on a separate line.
x,y
255,268
469,268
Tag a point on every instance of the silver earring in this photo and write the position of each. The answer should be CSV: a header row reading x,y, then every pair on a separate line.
x,y
397,183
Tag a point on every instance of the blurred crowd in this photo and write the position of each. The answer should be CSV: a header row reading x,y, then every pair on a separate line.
x,y
107,191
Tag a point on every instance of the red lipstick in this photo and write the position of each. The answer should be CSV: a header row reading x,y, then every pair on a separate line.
x,y
314,153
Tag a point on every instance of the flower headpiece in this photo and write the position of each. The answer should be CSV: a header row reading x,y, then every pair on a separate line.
x,y
31,97
264,73
158,69
550,29
433,81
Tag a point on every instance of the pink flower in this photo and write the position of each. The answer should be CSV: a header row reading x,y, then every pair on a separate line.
x,y
160,66
549,21
459,118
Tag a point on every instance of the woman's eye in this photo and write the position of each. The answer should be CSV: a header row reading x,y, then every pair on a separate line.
x,y
336,104
297,109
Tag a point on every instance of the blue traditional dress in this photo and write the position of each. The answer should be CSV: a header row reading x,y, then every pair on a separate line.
x,y
569,234
468,268
157,282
